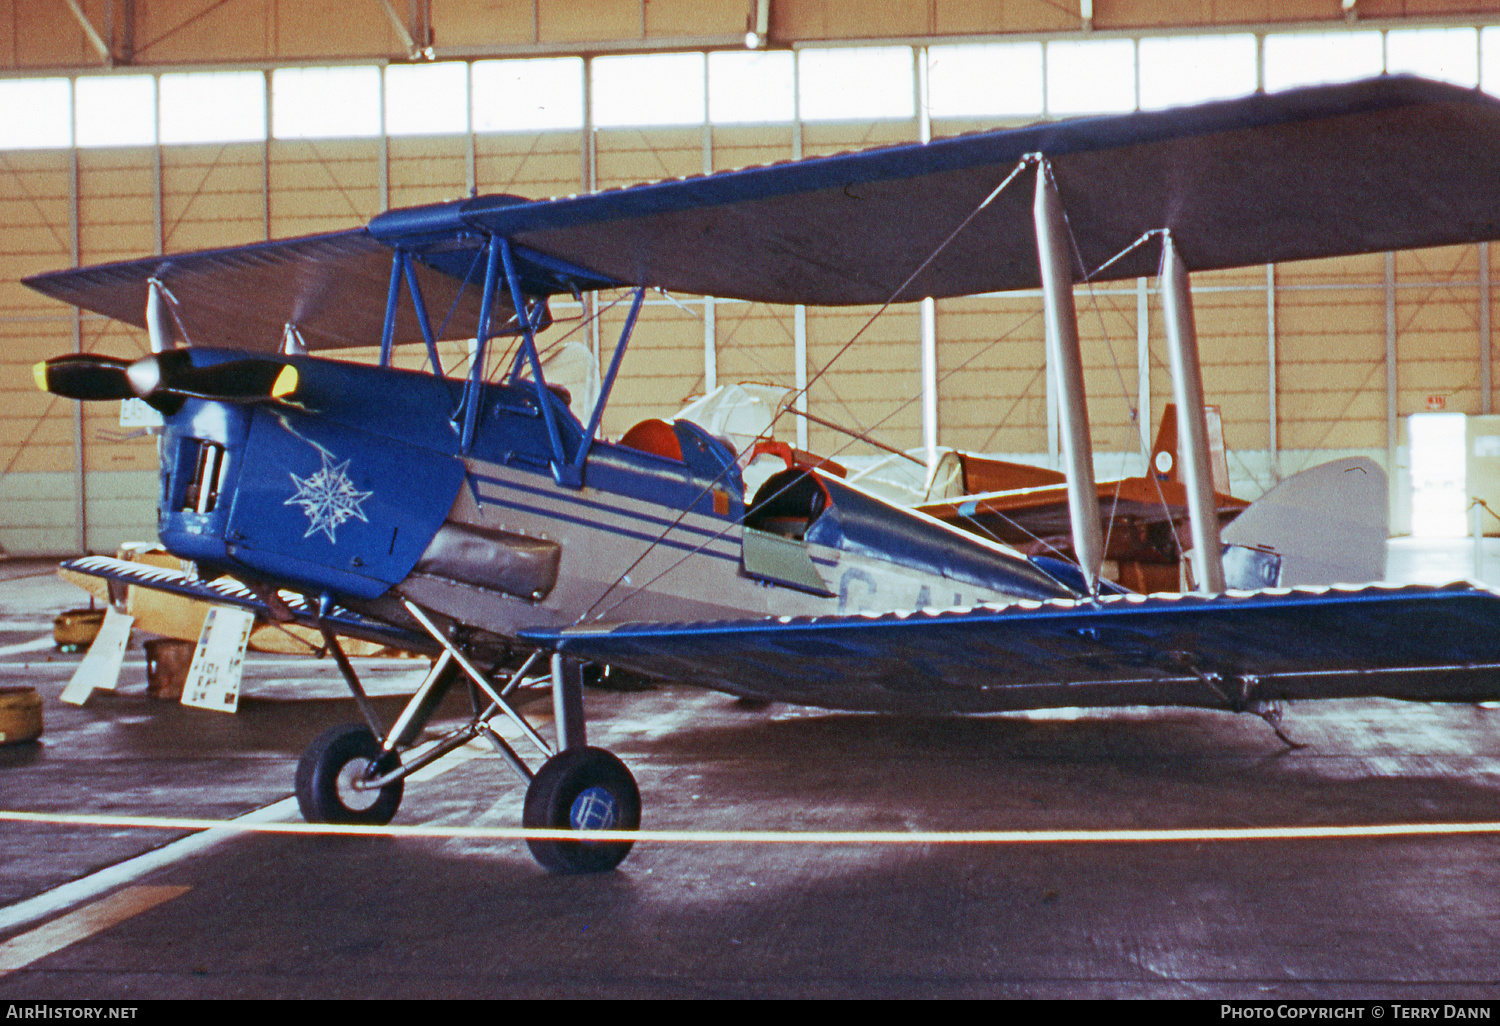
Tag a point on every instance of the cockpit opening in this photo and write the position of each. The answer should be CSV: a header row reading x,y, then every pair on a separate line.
x,y
787,504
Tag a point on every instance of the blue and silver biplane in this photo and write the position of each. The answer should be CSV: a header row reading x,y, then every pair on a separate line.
x,y
484,524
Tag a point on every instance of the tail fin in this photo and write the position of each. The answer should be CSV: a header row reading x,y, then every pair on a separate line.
x,y
1327,525
1164,459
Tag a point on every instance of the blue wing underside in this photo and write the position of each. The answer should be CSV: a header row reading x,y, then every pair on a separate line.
x,y
1226,652
1223,652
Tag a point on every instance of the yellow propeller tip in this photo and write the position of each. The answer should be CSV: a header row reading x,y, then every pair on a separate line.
x,y
285,383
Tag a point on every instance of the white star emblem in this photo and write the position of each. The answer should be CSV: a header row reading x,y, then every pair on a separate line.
x,y
328,498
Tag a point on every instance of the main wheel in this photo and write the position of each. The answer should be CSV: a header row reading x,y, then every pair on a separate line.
x,y
582,789
328,770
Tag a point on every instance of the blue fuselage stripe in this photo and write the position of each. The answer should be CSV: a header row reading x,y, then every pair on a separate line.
x,y
622,532
664,524
602,507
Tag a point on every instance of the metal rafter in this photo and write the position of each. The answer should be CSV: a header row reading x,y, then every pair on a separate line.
x,y
91,33
414,49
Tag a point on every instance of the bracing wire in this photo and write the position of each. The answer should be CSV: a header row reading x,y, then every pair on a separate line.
x,y
790,400
837,452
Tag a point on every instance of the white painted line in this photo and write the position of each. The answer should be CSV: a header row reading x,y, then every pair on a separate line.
x,y
27,646
69,894
213,832
1105,836
21,951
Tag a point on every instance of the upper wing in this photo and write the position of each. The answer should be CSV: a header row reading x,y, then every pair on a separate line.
x,y
1391,163
1225,651
333,287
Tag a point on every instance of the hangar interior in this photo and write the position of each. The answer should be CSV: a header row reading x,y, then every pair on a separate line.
x,y
128,129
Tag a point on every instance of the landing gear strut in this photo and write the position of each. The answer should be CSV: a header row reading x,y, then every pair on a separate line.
x,y
355,773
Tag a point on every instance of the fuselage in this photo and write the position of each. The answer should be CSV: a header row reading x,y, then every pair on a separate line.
x,y
358,490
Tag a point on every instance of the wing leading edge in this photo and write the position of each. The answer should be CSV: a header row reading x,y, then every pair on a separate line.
x,y
1226,651
333,287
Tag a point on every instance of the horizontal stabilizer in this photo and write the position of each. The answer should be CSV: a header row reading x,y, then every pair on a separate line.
x,y
1226,651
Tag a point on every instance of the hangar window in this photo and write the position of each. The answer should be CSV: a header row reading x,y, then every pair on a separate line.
x,y
325,103
1180,70
36,113
651,89
856,83
750,87
984,80
427,99
545,94
213,106
115,110
1489,60
1446,54
1094,77
1309,58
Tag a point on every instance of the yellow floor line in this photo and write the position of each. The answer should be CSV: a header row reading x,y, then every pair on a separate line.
x,y
80,924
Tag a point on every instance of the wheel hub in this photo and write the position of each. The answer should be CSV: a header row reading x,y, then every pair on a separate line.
x,y
352,788
594,809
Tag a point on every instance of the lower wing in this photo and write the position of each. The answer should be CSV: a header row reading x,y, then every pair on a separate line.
x,y
1232,651
226,591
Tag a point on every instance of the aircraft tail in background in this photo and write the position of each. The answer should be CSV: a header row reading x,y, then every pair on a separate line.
x,y
1326,525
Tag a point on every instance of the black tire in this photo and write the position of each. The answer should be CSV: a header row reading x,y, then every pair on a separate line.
x,y
582,789
327,769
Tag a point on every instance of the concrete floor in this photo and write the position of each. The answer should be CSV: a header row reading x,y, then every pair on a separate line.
x,y
1359,917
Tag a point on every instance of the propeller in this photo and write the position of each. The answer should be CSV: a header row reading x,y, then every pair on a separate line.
x,y
84,376
164,379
